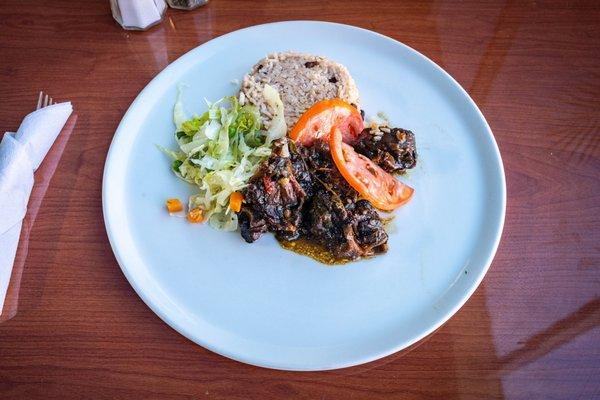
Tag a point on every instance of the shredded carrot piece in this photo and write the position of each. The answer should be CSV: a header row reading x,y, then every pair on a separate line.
x,y
195,215
235,201
174,205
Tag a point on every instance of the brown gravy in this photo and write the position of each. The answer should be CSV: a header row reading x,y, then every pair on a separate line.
x,y
313,250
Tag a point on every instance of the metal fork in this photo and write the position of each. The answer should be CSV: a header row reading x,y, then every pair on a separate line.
x,y
44,101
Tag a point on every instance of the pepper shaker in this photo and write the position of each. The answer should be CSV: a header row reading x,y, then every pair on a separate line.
x,y
186,4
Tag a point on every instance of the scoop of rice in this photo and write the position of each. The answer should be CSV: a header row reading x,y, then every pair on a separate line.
x,y
301,80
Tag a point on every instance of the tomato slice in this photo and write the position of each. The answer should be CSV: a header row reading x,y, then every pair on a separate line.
x,y
370,181
317,121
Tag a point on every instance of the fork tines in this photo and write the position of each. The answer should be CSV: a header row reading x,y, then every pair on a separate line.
x,y
44,101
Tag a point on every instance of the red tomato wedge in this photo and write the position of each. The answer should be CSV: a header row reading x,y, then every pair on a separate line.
x,y
370,181
317,121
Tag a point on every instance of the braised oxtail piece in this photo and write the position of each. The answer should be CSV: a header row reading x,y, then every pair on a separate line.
x,y
393,149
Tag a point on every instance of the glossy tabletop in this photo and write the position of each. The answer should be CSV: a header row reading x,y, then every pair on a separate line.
x,y
72,326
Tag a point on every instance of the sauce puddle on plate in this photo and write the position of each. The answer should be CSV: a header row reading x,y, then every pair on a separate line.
x,y
313,250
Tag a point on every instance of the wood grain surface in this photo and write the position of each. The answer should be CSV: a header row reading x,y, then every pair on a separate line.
x,y
73,328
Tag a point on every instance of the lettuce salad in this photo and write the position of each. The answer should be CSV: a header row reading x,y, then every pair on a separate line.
x,y
221,149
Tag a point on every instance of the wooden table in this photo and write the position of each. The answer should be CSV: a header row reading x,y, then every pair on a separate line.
x,y
74,328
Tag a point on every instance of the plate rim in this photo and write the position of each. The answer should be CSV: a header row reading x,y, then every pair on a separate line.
x,y
109,225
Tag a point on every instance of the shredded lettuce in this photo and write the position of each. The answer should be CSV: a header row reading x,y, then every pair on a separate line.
x,y
221,149
278,128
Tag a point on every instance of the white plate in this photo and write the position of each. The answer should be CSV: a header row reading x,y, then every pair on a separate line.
x,y
269,307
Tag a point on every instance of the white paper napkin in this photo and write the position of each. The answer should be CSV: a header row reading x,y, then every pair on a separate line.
x,y
21,154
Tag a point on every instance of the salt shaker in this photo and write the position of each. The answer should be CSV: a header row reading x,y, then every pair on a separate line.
x,y
138,14
186,4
